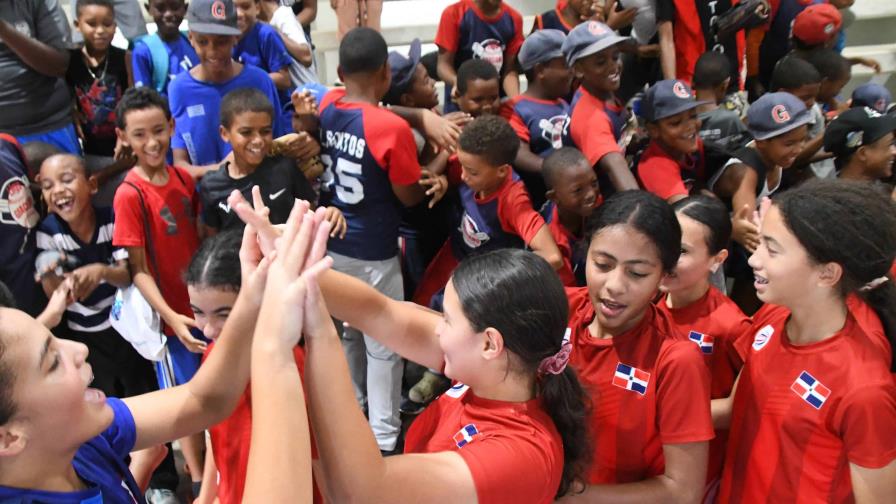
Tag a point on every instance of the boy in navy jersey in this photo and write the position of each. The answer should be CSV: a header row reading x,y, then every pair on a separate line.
x,y
489,30
540,116
372,169
566,15
159,58
478,88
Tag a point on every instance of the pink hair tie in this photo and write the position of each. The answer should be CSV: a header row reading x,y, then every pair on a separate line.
x,y
555,364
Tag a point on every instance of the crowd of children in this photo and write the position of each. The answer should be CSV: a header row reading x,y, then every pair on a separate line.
x,y
635,277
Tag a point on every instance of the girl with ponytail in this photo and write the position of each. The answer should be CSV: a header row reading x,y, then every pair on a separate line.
x,y
814,409
650,388
513,427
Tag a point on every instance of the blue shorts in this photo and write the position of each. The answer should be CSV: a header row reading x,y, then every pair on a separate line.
x,y
179,364
66,138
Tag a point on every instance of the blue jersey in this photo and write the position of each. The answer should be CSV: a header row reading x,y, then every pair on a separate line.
x,y
100,463
181,58
196,105
543,124
262,47
91,314
366,150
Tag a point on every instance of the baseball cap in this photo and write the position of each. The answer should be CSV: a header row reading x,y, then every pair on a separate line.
x,y
588,38
212,17
872,95
774,114
667,98
856,127
817,24
403,68
541,46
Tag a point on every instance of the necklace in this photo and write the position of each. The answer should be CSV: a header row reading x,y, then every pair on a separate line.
x,y
87,65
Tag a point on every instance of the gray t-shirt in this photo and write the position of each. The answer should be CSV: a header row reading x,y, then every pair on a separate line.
x,y
30,101
720,123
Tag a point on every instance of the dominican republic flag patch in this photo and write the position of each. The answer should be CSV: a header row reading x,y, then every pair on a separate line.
x,y
704,341
631,378
465,435
810,390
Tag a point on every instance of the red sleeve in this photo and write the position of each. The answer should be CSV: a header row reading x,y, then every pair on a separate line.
x,y
392,145
661,176
867,423
453,171
330,97
128,229
595,136
516,214
508,112
448,34
513,47
682,394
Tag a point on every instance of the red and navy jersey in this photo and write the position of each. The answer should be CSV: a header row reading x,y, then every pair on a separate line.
x,y
366,150
498,440
595,125
543,124
693,32
660,173
649,388
552,20
467,32
572,247
803,413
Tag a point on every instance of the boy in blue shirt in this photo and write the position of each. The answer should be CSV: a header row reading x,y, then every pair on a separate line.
x,y
158,58
195,97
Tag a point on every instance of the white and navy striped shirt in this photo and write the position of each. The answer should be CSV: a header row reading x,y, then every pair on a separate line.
x,y
92,314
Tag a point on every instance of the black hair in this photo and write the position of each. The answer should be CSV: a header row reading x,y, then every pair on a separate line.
x,y
829,63
793,72
80,4
559,160
851,224
7,378
217,262
36,153
243,100
474,69
518,293
490,137
648,214
711,70
713,214
139,98
362,50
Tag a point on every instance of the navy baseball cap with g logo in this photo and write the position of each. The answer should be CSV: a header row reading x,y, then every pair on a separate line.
x,y
667,98
213,17
774,114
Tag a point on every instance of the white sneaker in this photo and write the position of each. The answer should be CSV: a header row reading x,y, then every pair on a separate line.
x,y
161,496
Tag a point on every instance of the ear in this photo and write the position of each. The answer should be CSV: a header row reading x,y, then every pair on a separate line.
x,y
75,23
503,170
493,343
92,184
725,83
653,130
829,274
146,6
577,70
718,260
120,133
405,100
225,134
12,439
551,194
339,73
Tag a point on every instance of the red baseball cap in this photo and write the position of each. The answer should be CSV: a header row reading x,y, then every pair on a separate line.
x,y
817,24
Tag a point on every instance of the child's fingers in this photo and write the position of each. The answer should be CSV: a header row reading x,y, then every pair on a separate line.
x,y
319,247
257,201
298,248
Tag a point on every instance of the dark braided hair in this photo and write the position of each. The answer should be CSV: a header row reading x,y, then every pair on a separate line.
x,y
851,224
217,263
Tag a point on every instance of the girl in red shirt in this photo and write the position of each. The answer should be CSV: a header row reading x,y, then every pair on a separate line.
x,y
814,408
650,389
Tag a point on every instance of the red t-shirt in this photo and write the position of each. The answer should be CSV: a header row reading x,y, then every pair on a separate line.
x,y
172,210
590,128
803,413
513,450
713,323
665,176
649,387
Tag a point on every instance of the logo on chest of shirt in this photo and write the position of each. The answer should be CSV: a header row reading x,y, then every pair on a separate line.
x,y
457,390
810,390
465,435
703,341
223,205
490,50
473,237
762,337
631,378
195,111
553,129
16,203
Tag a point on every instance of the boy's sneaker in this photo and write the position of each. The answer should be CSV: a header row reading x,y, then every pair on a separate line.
x,y
161,496
430,386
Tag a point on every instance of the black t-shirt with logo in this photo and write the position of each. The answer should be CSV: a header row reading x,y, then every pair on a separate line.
x,y
97,91
279,179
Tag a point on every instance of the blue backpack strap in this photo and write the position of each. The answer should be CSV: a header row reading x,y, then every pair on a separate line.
x,y
160,63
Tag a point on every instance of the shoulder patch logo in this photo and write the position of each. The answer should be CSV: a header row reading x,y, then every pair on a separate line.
x,y
762,337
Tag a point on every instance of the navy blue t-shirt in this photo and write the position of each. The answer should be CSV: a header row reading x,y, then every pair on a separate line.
x,y
100,463
196,106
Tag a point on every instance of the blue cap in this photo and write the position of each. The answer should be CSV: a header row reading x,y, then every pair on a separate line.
x,y
667,98
540,47
774,114
872,95
403,68
590,37
212,17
